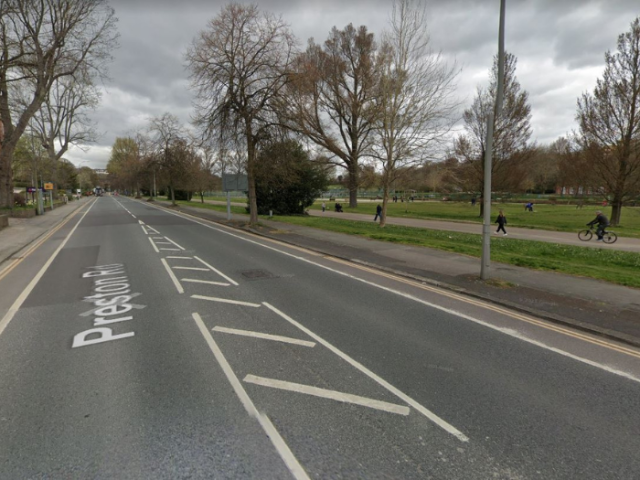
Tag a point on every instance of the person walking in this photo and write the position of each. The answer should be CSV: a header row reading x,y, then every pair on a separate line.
x,y
378,213
501,221
324,206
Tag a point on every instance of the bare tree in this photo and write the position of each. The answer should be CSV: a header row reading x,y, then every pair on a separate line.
x,y
62,120
609,121
416,107
512,131
124,164
170,144
42,41
238,66
331,98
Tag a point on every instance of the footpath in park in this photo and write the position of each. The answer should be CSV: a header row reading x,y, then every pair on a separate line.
x,y
599,307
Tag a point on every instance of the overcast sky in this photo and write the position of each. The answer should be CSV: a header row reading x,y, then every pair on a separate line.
x,y
559,44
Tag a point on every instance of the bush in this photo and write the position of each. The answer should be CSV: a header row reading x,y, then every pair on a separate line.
x,y
19,200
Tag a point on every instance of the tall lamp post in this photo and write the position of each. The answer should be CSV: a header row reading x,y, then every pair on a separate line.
x,y
486,224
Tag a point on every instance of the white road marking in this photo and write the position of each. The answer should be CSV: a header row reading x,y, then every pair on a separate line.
x,y
140,222
25,293
232,282
193,280
278,442
198,269
170,249
157,238
404,397
173,277
144,230
330,394
182,258
174,243
154,245
265,336
133,215
224,300
163,243
154,230
506,331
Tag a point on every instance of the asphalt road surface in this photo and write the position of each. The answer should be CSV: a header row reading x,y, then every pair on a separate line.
x,y
140,343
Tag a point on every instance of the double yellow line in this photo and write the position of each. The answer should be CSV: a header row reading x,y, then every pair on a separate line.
x,y
33,247
494,308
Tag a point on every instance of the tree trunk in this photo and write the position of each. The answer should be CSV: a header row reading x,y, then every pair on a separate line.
x,y
173,194
616,210
202,197
385,201
6,179
353,184
251,152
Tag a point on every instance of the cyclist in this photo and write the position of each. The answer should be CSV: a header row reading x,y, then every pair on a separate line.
x,y
602,221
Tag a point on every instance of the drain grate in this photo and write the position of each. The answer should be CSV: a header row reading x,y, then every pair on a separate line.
x,y
257,274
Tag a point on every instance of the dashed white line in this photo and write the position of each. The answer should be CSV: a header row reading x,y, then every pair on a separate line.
x,y
181,258
224,300
154,245
193,280
181,248
403,396
198,269
176,282
330,394
231,281
278,442
265,336
170,249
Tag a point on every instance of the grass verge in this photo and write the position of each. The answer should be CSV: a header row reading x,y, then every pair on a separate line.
x,y
600,263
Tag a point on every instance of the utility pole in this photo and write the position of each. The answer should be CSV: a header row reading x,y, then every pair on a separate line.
x,y
495,117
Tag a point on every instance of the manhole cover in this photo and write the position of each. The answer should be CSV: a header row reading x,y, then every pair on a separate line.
x,y
257,274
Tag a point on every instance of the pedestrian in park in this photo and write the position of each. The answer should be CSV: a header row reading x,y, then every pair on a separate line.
x,y
378,213
324,206
501,221
473,202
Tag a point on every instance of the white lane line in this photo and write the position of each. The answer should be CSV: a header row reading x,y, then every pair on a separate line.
x,y
144,230
154,230
197,269
181,248
193,280
25,293
140,222
330,394
163,243
404,397
232,282
506,331
181,258
224,300
265,336
173,277
134,216
170,249
157,238
278,442
154,245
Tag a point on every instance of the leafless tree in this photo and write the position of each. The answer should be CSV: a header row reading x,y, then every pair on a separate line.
x,y
171,149
238,65
416,104
512,131
42,41
609,122
331,98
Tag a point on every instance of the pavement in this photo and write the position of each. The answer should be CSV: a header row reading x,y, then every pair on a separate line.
x,y
590,305
21,232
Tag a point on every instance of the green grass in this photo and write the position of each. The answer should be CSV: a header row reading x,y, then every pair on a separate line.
x,y
564,218
600,263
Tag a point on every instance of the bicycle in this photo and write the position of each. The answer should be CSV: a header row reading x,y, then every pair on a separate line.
x,y
607,236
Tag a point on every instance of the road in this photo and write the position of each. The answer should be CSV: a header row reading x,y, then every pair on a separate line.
x,y
140,343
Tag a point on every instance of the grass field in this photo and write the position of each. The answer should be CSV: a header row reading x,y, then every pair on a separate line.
x,y
602,264
564,218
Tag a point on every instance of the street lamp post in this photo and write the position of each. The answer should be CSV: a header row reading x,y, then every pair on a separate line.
x,y
485,266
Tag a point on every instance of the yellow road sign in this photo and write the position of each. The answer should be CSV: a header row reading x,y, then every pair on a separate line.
x,y
48,186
